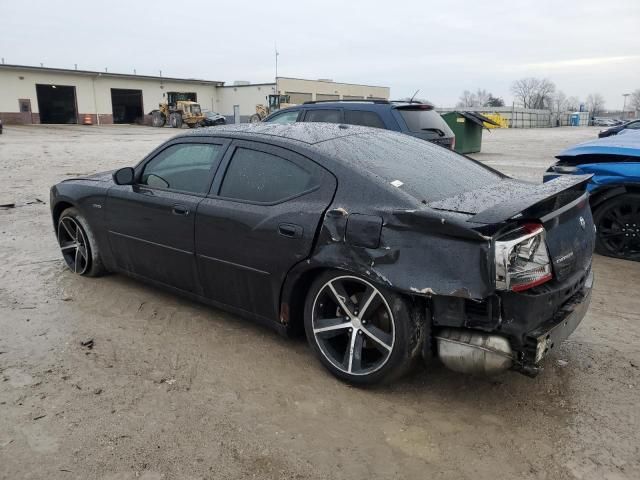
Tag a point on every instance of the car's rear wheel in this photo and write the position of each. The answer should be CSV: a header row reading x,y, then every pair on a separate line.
x,y
78,245
618,227
361,333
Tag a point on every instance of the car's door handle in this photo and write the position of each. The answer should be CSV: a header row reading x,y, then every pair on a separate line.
x,y
180,210
290,230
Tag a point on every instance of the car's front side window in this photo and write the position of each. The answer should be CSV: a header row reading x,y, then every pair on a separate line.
x,y
185,167
634,126
256,176
285,117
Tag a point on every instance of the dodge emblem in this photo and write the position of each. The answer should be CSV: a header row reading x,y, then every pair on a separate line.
x,y
583,224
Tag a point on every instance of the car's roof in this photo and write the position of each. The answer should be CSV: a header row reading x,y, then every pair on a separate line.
x,y
624,145
374,105
308,133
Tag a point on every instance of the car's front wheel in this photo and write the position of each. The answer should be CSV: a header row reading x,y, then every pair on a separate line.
x,y
618,227
78,245
361,333
157,119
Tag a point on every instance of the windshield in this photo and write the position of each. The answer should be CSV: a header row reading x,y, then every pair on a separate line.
x,y
425,171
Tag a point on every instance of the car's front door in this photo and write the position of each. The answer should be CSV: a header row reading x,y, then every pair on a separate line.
x,y
151,223
259,220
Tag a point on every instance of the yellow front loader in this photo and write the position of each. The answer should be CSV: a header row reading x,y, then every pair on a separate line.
x,y
178,109
274,102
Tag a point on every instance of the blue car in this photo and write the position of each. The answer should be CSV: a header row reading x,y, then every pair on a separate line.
x,y
614,189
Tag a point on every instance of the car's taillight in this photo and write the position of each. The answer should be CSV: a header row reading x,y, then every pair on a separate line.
x,y
453,143
522,259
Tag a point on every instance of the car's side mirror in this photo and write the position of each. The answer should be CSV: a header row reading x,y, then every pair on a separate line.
x,y
124,176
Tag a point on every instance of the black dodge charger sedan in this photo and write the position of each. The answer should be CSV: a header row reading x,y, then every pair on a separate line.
x,y
379,246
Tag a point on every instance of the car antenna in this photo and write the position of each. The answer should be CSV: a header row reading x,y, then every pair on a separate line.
x,y
414,96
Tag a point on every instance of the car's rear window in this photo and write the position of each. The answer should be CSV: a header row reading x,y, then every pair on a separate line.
x,y
419,120
425,171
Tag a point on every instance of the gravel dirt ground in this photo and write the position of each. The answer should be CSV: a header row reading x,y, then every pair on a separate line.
x,y
173,389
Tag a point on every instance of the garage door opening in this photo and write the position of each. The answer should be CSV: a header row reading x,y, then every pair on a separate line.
x,y
57,104
127,105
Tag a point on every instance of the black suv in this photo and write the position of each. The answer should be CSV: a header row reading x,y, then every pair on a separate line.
x,y
413,118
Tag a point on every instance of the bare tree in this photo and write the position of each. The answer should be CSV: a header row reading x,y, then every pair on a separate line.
x,y
467,99
533,92
481,98
544,95
573,104
524,90
595,103
559,102
634,101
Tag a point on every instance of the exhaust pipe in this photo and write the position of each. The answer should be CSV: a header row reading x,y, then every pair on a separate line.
x,y
468,351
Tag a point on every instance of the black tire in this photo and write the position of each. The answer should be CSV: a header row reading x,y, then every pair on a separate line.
x,y
389,317
618,227
158,119
175,120
255,118
79,247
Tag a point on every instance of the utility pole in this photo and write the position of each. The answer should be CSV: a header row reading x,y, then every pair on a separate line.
x,y
624,104
276,49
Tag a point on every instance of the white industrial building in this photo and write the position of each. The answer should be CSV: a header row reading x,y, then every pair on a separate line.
x,y
55,95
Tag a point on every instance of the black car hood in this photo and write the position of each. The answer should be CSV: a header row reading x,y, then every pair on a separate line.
x,y
96,177
507,198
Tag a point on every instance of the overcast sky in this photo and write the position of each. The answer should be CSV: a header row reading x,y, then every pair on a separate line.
x,y
441,48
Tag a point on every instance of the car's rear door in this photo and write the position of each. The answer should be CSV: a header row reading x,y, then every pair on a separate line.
x,y
151,223
259,220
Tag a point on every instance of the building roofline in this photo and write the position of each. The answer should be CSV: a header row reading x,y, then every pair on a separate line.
x,y
332,82
250,85
108,74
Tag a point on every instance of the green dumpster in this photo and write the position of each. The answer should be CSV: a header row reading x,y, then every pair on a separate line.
x,y
467,127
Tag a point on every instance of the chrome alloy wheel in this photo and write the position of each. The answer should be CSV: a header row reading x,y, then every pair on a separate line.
x,y
73,244
353,325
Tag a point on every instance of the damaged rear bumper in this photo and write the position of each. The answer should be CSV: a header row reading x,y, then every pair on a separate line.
x,y
549,335
523,343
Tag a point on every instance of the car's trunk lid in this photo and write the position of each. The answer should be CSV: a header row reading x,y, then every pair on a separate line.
x,y
561,205
570,238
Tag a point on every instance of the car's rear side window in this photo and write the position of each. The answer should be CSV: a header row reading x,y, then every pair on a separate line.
x,y
329,116
364,118
257,176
